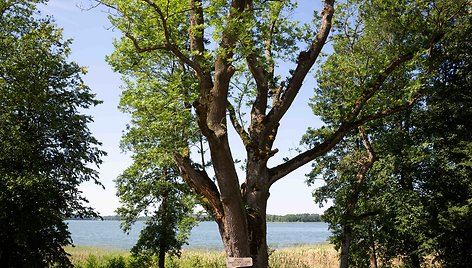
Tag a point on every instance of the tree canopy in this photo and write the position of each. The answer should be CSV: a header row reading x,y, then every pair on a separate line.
x,y
194,69
164,200
46,148
414,200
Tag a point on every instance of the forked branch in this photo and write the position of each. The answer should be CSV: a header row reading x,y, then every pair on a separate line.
x,y
201,183
305,62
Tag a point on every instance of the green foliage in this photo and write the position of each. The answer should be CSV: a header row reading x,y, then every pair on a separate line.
x,y
181,86
160,89
415,201
167,201
110,262
158,96
295,218
46,149
370,36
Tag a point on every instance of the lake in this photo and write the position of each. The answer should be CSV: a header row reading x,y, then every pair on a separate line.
x,y
107,234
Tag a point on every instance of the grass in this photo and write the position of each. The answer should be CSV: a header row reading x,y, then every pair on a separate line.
x,y
320,256
81,254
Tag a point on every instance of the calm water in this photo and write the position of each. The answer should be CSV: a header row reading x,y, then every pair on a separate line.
x,y
107,234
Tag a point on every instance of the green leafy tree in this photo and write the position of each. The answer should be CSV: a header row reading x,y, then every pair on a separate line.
x,y
152,185
195,68
168,204
415,199
46,149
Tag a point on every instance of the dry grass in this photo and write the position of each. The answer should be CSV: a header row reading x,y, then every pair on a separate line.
x,y
320,256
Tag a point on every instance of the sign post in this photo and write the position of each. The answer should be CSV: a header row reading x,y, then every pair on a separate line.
x,y
232,262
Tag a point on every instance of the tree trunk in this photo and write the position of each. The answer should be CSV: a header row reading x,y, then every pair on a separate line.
x,y
415,260
233,225
257,227
162,258
255,193
353,198
234,235
373,253
256,234
258,240
345,243
163,244
5,254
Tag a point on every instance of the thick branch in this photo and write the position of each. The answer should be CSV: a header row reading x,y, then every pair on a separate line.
x,y
268,47
196,31
218,97
258,73
260,104
376,85
163,19
197,47
166,47
169,44
281,170
349,123
306,59
371,158
387,112
141,49
367,164
201,183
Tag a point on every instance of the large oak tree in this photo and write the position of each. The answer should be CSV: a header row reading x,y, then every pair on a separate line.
x,y
196,68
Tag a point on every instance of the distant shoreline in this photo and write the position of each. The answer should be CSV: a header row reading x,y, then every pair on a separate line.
x,y
304,217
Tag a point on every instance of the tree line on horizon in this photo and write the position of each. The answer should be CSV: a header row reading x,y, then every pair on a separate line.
x,y
393,90
303,217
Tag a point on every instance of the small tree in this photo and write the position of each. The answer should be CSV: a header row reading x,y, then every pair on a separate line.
x,y
168,204
152,185
46,148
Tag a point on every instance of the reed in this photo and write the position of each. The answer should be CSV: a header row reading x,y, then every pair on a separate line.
x,y
321,256
94,257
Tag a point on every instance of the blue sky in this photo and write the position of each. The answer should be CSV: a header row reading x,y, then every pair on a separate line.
x,y
92,41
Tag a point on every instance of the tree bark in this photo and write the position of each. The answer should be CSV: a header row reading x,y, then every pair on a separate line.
x,y
345,243
162,258
255,192
367,163
257,227
5,253
373,251
241,211
415,260
233,225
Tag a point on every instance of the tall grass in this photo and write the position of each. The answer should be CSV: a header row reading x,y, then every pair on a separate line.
x,y
312,256
319,256
322,256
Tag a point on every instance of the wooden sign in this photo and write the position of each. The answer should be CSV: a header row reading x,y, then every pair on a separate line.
x,y
238,262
